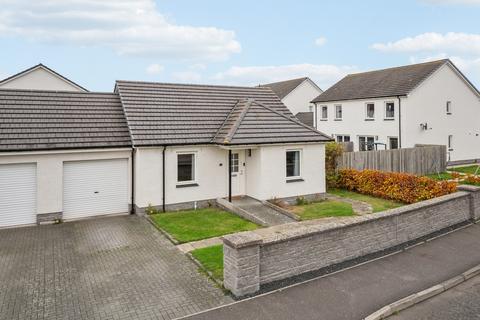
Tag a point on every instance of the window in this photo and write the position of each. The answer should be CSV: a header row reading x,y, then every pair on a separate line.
x,y
324,113
370,111
449,107
185,167
366,143
338,112
234,162
393,143
293,164
450,143
310,108
389,110
343,138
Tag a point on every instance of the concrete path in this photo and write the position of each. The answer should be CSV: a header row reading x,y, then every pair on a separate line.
x,y
263,212
107,268
357,292
190,246
460,303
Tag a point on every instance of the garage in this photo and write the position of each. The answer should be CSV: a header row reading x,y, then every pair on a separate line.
x,y
18,190
93,188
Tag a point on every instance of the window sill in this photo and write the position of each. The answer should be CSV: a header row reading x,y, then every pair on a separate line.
x,y
369,119
337,119
450,150
187,185
323,119
295,180
389,119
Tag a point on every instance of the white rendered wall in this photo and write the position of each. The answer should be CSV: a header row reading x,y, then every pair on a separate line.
x,y
40,79
354,121
427,104
299,99
50,172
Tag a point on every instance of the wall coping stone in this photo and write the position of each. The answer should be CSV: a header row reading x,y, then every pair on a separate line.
x,y
294,230
468,188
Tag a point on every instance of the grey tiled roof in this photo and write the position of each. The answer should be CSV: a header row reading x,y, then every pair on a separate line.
x,y
173,114
250,122
41,120
305,117
390,82
283,88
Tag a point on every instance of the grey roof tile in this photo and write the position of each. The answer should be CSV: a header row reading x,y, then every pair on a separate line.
x,y
306,118
283,88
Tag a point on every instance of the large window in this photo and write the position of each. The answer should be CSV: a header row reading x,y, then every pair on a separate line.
x,y
324,113
338,112
293,163
366,143
370,111
185,167
343,138
393,143
389,110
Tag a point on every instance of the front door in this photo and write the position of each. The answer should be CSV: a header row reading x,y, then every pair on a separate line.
x,y
238,173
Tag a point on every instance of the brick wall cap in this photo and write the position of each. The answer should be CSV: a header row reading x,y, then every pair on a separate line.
x,y
468,188
242,239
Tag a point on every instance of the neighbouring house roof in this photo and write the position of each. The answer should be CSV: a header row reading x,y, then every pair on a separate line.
x,y
283,88
398,81
43,120
176,114
251,122
305,117
44,67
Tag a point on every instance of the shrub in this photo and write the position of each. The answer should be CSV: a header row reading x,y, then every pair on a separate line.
x,y
473,180
301,201
333,151
151,210
407,188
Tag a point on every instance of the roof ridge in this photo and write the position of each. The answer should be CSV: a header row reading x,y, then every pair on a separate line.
x,y
247,103
399,67
191,84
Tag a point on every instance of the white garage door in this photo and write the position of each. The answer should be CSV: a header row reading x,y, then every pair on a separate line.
x,y
92,188
18,194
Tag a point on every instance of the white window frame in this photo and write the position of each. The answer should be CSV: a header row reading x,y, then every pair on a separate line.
x,y
366,140
299,163
389,144
343,137
385,110
366,111
194,153
450,142
321,113
341,112
448,107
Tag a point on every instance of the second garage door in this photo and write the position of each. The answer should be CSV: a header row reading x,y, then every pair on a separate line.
x,y
92,188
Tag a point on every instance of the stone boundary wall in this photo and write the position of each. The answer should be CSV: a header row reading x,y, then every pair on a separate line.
x,y
254,258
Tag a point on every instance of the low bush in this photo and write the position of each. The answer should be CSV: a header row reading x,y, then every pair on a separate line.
x,y
471,179
401,187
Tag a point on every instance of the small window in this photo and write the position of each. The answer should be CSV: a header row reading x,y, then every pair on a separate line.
x,y
293,164
234,162
185,167
366,143
370,111
338,112
310,108
393,143
450,143
324,113
449,107
343,138
389,110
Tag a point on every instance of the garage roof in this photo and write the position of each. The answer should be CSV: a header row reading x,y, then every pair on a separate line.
x,y
42,120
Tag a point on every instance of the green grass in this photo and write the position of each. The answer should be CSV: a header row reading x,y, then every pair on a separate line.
x,y
467,169
440,176
323,209
192,225
211,259
378,204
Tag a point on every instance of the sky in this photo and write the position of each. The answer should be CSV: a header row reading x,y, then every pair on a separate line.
x,y
246,42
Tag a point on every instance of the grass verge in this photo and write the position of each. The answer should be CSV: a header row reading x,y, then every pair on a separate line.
x,y
323,209
211,259
468,169
378,204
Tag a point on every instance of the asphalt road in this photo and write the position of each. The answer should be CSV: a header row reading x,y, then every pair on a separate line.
x,y
460,303
358,292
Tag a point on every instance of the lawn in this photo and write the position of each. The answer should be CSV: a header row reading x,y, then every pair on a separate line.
x,y
468,169
211,259
440,176
378,204
323,209
192,225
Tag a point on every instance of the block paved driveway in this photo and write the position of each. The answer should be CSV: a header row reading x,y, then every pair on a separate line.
x,y
106,268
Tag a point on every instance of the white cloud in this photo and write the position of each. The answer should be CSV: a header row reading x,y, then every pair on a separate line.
x,y
323,75
433,42
320,41
155,68
471,65
453,2
187,76
127,26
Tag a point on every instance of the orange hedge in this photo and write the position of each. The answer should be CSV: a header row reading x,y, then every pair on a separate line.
x,y
407,188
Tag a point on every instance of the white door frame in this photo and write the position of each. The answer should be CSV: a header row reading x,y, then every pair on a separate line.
x,y
238,173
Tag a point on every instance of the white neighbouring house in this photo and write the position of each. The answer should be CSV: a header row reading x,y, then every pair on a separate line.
x,y
426,103
40,77
70,155
297,95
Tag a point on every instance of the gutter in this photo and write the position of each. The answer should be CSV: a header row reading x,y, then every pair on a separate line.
x,y
163,178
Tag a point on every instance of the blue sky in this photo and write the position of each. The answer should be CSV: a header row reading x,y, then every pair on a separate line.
x,y
233,42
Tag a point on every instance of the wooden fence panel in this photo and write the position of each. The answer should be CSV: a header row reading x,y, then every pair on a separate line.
x,y
420,160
